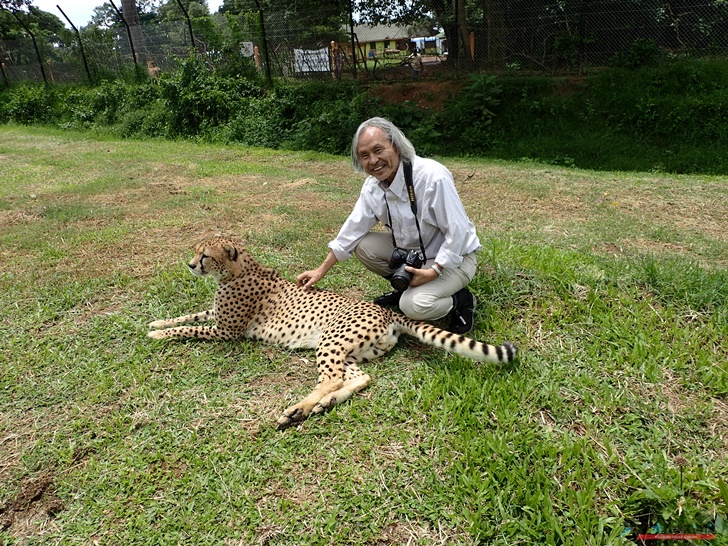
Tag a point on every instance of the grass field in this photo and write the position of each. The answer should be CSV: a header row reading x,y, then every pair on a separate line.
x,y
615,418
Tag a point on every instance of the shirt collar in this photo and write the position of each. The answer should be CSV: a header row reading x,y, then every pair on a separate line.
x,y
397,187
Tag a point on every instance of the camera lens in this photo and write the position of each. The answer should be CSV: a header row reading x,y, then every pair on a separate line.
x,y
400,279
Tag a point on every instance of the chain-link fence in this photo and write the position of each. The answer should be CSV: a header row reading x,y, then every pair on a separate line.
x,y
96,54
565,36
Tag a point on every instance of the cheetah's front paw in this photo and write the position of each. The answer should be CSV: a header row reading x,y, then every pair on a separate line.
x,y
156,334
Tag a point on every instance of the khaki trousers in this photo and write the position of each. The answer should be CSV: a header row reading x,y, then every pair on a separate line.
x,y
429,301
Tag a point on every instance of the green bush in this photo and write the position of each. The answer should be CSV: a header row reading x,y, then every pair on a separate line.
x,y
465,127
678,103
311,116
149,121
75,110
198,101
665,118
29,104
641,53
258,122
108,100
320,115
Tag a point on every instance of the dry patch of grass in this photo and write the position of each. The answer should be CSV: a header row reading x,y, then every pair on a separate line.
x,y
561,204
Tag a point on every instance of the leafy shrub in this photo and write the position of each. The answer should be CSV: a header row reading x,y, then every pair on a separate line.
x,y
325,130
467,119
567,48
143,114
481,95
198,101
108,99
667,508
76,109
29,104
427,136
420,126
641,53
4,102
312,116
674,104
148,122
257,123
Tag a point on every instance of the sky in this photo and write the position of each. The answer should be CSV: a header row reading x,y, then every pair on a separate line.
x,y
81,11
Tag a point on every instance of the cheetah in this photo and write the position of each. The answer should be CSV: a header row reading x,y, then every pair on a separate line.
x,y
153,71
253,301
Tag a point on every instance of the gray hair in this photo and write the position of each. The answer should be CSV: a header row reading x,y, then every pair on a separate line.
x,y
394,134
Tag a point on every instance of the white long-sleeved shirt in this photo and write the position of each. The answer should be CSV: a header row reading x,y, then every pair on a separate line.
x,y
447,232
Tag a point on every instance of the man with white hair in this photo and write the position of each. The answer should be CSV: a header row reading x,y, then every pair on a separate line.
x,y
428,251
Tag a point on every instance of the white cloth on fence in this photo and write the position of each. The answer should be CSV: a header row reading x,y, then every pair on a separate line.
x,y
311,60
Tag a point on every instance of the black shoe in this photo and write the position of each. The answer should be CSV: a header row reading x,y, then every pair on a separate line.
x,y
463,312
390,299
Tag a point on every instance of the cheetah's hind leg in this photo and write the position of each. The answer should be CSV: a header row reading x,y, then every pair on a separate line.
x,y
354,381
335,385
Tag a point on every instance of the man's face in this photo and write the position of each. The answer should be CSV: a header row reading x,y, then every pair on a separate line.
x,y
377,154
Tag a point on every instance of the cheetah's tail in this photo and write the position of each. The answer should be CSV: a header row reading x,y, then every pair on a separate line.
x,y
454,343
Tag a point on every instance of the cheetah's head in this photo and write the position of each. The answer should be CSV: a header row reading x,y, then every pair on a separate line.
x,y
219,258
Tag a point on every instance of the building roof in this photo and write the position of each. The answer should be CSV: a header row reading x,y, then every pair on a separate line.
x,y
377,33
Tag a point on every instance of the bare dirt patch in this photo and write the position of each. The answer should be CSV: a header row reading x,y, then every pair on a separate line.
x,y
424,95
33,507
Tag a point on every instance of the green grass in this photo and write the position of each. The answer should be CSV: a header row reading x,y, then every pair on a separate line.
x,y
613,285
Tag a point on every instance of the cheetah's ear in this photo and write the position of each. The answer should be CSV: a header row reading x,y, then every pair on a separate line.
x,y
232,251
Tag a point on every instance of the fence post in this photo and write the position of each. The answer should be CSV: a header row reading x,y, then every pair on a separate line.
x,y
189,24
80,43
35,45
351,30
583,9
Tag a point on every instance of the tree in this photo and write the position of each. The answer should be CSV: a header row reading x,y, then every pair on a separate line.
x,y
105,16
9,28
312,22
131,16
14,5
42,20
170,10
45,30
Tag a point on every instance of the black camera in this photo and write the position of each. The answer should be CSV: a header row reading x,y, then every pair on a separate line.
x,y
400,259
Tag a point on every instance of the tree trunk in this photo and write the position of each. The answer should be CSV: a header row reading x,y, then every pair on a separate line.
x,y
445,12
493,44
463,31
129,10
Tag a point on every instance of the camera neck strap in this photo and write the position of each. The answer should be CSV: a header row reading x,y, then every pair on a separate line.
x,y
407,168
